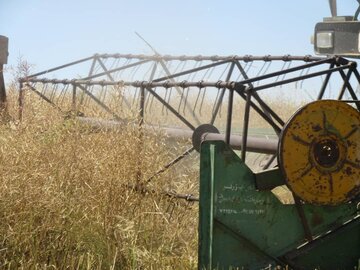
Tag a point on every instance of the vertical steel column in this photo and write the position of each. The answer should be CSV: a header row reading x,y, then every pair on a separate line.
x,y
229,116
142,106
352,92
2,90
92,67
73,104
218,105
246,77
345,85
325,83
141,137
246,124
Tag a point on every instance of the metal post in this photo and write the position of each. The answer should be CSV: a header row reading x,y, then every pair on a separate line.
x,y
142,106
346,79
345,84
141,137
92,67
3,106
246,125
218,105
2,89
73,104
3,60
229,116
325,83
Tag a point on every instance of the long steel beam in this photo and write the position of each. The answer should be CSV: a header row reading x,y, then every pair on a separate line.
x,y
157,57
214,58
137,84
254,144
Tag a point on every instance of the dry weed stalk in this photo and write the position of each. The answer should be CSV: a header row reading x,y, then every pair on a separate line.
x,y
64,204
64,201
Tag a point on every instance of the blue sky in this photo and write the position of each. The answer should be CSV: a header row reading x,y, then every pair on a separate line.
x,y
48,32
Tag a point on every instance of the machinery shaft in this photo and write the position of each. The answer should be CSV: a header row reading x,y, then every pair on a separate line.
x,y
254,144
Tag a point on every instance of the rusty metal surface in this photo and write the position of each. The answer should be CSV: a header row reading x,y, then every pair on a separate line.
x,y
320,152
4,52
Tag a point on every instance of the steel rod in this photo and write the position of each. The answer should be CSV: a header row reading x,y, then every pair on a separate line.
x,y
2,90
185,72
142,106
184,84
229,116
218,105
92,67
170,108
140,135
282,72
171,163
137,84
61,67
345,85
299,78
247,58
262,104
44,97
102,105
266,109
168,73
254,144
325,83
115,69
261,113
346,81
108,74
73,103
246,125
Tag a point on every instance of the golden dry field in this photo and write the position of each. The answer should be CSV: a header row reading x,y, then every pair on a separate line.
x,y
65,201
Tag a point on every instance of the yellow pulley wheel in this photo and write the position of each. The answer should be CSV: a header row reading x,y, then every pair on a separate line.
x,y
319,152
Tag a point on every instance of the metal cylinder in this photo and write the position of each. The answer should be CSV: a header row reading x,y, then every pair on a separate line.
x,y
254,144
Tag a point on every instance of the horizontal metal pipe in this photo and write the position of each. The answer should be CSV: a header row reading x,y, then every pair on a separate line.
x,y
247,58
172,132
146,84
254,144
214,58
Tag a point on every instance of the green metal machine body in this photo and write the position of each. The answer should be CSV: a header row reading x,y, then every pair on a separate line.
x,y
243,225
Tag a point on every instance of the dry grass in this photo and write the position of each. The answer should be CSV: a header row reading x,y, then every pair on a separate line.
x,y
64,203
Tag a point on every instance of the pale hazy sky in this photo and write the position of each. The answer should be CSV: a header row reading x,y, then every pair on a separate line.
x,y
51,32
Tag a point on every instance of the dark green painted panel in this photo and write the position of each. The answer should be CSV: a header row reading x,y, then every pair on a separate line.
x,y
243,227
